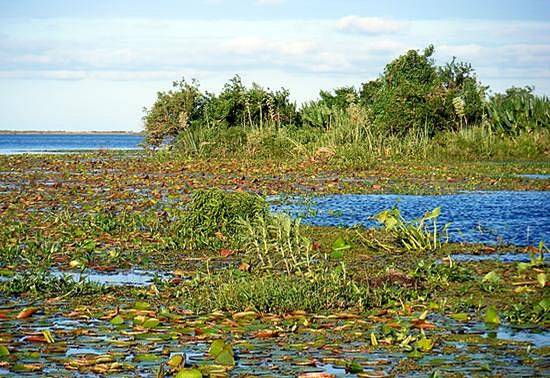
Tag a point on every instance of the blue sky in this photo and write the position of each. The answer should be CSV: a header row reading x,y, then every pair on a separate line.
x,y
93,65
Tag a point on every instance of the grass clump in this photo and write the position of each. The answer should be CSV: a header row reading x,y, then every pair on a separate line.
x,y
212,218
44,284
272,292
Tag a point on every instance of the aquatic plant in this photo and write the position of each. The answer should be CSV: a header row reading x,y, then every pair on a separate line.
x,y
271,292
41,283
277,243
422,234
518,110
211,218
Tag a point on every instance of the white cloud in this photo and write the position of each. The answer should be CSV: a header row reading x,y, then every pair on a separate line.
x,y
258,45
269,2
370,25
164,50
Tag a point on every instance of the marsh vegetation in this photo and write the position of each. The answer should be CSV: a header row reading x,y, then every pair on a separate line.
x,y
414,110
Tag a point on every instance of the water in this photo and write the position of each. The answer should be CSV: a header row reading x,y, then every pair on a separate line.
x,y
520,218
34,143
135,277
535,176
501,257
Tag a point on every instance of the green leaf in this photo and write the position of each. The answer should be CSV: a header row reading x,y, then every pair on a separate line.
x,y
460,317
424,344
117,320
340,244
216,347
433,214
541,279
189,373
146,357
141,305
492,277
151,323
337,255
6,273
354,367
176,361
523,267
4,351
226,357
491,316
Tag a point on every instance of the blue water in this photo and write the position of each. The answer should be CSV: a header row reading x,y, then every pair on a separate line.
x,y
33,143
535,176
519,218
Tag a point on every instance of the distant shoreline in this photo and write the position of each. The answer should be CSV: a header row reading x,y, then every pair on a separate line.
x,y
37,132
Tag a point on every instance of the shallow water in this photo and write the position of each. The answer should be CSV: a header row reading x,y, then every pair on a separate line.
x,y
535,176
134,277
520,218
307,349
501,257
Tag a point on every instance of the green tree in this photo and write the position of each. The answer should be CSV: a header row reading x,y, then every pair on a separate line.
x,y
173,112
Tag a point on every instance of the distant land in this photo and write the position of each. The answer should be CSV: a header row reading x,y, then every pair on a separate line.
x,y
35,132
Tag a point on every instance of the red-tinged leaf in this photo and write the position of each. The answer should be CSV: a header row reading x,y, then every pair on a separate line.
x,y
224,252
35,339
421,324
25,313
267,333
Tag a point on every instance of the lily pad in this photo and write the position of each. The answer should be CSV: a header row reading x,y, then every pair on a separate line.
x,y
189,373
491,316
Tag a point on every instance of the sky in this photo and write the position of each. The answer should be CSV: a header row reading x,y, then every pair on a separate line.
x,y
94,65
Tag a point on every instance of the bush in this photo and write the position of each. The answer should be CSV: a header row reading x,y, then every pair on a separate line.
x,y
414,94
413,108
186,110
173,112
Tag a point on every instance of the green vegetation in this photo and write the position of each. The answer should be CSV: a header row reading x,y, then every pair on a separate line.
x,y
416,235
212,217
414,110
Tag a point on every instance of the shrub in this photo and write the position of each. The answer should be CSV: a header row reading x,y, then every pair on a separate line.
x,y
414,94
238,105
173,112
